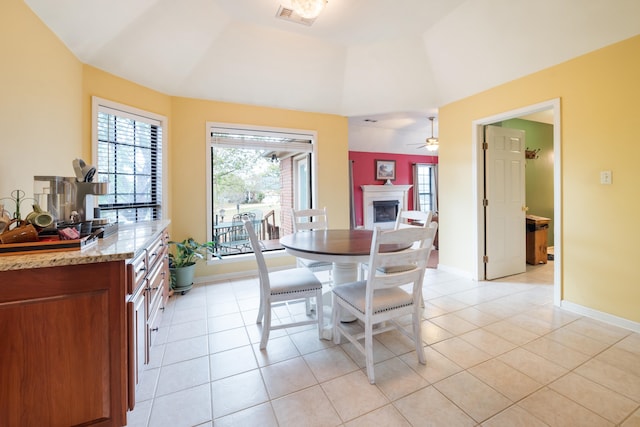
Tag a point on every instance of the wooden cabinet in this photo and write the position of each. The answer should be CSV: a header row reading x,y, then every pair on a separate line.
x,y
148,285
62,345
537,229
76,328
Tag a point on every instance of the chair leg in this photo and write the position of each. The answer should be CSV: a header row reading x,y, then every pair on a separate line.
x,y
260,311
335,315
266,325
368,350
417,335
319,312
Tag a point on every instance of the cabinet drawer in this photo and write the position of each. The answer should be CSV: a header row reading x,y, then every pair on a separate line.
x,y
136,272
155,251
155,285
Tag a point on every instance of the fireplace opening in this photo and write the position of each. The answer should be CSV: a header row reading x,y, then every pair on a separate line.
x,y
385,210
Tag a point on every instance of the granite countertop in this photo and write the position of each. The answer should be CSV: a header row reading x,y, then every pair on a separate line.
x,y
122,245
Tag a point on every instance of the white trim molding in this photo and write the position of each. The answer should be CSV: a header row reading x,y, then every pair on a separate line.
x,y
601,316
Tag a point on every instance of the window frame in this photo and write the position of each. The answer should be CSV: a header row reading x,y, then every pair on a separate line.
x,y
431,193
127,111
302,182
253,129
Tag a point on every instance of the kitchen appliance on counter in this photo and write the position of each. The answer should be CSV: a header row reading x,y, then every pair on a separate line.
x,y
70,201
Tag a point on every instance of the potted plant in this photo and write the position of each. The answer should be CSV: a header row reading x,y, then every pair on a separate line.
x,y
182,261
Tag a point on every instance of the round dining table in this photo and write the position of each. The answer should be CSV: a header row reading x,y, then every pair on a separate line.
x,y
345,249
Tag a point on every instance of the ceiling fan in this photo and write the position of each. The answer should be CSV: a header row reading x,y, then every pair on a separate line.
x,y
430,143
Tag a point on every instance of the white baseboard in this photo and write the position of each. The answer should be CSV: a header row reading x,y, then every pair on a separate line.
x,y
462,273
601,316
216,278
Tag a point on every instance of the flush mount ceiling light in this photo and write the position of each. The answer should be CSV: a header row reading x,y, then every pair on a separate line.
x,y
309,9
431,142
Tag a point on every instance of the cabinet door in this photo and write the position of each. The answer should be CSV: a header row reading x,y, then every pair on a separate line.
x,y
165,268
138,354
62,358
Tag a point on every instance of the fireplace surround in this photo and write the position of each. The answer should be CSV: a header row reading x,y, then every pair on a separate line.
x,y
392,194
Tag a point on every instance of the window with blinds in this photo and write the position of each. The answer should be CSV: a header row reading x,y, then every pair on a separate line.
x,y
129,158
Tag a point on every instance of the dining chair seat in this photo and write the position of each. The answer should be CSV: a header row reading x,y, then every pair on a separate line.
x,y
314,265
292,281
385,300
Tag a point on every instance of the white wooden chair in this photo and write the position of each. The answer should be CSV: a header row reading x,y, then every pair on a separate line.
x,y
307,220
283,286
412,219
384,297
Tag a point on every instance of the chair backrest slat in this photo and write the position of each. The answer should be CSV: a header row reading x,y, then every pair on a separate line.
x,y
405,267
309,219
412,219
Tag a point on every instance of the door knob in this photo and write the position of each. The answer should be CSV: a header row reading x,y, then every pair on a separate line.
x,y
525,208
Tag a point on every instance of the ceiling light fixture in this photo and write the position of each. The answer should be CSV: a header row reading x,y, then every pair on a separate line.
x,y
309,9
432,143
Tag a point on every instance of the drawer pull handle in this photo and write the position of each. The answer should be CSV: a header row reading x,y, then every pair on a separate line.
x,y
155,329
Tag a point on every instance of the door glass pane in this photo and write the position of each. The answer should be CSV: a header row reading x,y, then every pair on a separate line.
x,y
301,197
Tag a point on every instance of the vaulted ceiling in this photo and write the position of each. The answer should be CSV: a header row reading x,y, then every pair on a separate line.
x,y
396,61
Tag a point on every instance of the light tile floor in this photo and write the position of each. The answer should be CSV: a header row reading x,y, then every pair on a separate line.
x,y
498,354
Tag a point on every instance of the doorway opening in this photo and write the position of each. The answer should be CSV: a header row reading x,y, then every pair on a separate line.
x,y
553,107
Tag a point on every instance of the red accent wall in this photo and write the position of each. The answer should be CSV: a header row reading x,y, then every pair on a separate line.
x,y
364,173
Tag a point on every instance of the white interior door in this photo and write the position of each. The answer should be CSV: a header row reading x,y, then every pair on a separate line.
x,y
505,204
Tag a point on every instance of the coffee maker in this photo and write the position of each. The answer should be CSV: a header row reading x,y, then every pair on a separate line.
x,y
67,199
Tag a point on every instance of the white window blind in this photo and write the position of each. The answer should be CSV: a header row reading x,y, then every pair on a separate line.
x,y
261,139
129,158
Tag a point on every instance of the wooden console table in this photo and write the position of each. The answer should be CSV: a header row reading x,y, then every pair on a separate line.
x,y
537,229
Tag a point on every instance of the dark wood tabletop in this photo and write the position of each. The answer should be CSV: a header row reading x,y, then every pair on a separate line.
x,y
334,242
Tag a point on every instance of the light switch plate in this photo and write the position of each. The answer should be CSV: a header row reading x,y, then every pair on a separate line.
x,y
605,177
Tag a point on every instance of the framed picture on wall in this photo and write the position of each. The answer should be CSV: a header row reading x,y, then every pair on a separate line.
x,y
386,169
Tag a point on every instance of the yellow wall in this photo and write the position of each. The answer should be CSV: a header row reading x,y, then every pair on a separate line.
x,y
40,102
599,95
188,157
45,120
45,117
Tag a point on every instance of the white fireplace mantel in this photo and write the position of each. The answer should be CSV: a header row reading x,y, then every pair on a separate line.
x,y
371,193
